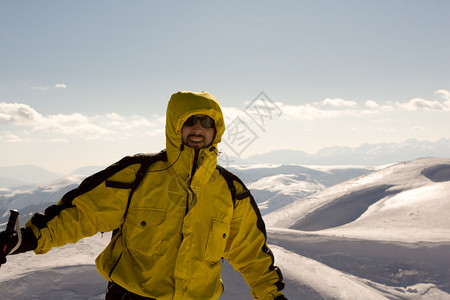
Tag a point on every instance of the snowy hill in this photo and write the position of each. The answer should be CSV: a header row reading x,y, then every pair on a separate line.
x,y
263,180
390,227
383,235
35,199
385,205
275,186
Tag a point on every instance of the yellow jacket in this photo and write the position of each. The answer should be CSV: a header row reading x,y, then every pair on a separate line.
x,y
180,222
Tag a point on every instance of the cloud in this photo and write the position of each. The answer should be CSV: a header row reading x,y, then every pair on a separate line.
x,y
308,112
73,124
444,95
338,102
430,105
322,110
58,141
422,104
107,126
18,113
372,104
9,137
117,121
337,108
46,88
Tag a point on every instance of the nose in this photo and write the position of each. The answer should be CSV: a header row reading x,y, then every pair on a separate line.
x,y
197,126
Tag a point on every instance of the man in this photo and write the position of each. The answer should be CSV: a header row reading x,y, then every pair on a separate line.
x,y
172,227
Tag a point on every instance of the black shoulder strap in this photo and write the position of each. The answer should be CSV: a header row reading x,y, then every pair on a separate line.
x,y
147,160
40,220
230,178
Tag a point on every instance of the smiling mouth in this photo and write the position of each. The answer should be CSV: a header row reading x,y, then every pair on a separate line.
x,y
195,139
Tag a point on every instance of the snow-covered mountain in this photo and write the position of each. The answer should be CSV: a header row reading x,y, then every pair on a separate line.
x,y
275,186
35,199
386,205
382,235
387,229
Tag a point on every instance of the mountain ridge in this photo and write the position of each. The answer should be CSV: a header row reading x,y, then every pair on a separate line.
x,y
364,154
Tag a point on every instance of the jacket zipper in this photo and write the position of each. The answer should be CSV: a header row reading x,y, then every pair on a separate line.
x,y
194,168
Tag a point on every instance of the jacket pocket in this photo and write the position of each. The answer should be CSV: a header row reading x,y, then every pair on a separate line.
x,y
144,229
217,239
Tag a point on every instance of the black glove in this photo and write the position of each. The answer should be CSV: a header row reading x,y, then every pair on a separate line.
x,y
282,297
9,240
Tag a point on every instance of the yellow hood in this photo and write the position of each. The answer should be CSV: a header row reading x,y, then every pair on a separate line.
x,y
181,106
184,104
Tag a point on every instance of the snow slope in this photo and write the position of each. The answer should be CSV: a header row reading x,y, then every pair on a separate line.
x,y
384,235
36,199
403,202
275,186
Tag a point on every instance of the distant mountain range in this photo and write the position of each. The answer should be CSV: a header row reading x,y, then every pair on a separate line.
x,y
25,175
365,155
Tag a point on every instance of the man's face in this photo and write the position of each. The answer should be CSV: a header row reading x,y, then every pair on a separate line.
x,y
196,135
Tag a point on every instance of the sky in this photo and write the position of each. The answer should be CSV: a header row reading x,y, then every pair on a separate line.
x,y
87,82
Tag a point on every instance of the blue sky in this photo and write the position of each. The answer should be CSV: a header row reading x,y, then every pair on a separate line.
x,y
87,82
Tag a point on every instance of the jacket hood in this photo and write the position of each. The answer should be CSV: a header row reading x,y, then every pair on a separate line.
x,y
181,106
184,104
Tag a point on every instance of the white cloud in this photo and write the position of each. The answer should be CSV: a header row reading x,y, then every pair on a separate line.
x,y
73,124
231,113
337,107
41,88
76,124
384,129
318,111
308,112
9,137
338,102
155,132
382,121
421,104
58,141
18,113
372,104
446,96
117,121
114,116
46,88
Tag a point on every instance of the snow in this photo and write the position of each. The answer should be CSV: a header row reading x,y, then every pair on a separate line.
x,y
398,203
330,283
64,273
382,235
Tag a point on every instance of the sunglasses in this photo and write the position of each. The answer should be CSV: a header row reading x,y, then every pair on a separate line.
x,y
205,121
